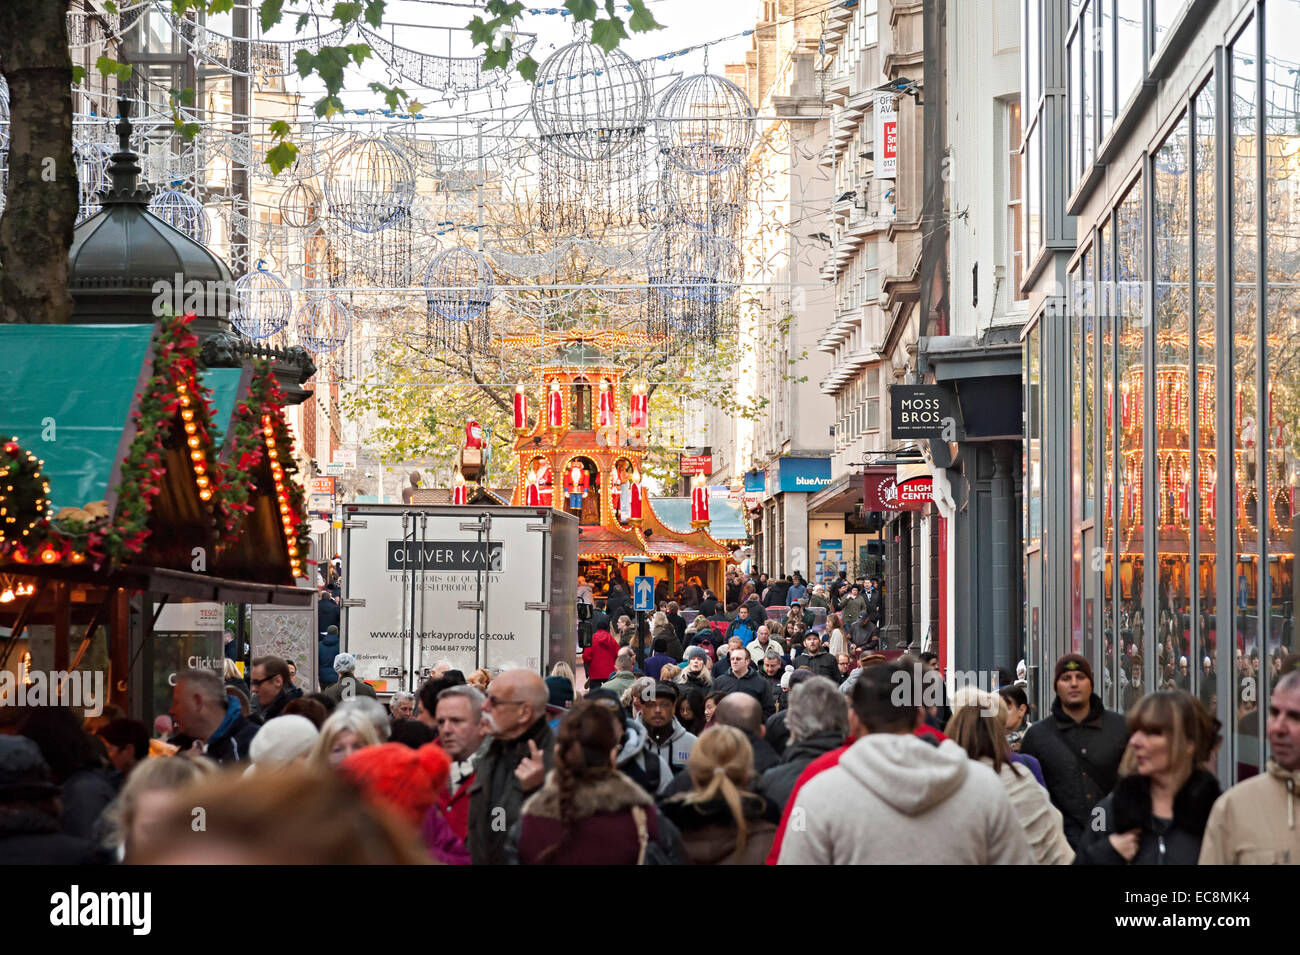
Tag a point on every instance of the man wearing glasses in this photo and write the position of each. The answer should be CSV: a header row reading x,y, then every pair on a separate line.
x,y
513,765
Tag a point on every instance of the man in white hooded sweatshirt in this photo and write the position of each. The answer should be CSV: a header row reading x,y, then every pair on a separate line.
x,y
899,798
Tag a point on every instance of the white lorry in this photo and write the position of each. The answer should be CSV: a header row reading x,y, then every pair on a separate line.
x,y
474,586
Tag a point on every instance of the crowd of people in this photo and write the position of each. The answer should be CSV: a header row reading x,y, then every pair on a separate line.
x,y
752,737
645,770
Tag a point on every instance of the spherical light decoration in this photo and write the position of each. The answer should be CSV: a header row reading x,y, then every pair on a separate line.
x,y
590,104
370,185
686,262
183,213
714,203
323,324
4,115
458,284
705,124
299,206
263,303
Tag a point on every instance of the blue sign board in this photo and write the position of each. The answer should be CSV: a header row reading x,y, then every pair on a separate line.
x,y
643,593
754,482
802,474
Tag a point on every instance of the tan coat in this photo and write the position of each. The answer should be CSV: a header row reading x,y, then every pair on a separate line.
x,y
1041,821
1256,822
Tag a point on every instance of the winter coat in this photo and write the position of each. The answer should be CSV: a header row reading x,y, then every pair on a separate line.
x,y
703,680
1256,822
328,614
851,609
602,829
871,600
746,629
764,759
757,651
913,802
679,628
821,663
654,665
276,707
86,794
495,788
349,683
1041,821
708,831
31,837
454,804
675,749
599,657
776,591
796,592
231,740
440,838
327,648
1080,761
1159,843
776,784
641,764
753,683
619,681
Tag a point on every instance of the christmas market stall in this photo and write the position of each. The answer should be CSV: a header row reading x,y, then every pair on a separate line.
x,y
138,490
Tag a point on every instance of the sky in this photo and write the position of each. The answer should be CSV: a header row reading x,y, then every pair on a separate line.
x,y
437,27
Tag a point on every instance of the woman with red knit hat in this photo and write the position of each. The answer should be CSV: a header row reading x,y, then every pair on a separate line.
x,y
409,781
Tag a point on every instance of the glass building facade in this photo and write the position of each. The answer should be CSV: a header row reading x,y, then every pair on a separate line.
x,y
1181,315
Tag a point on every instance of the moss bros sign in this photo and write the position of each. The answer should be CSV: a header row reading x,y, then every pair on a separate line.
x,y
918,411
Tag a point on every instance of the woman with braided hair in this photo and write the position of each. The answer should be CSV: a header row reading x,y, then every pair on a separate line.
x,y
588,813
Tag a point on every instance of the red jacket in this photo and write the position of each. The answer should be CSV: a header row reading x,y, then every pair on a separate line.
x,y
825,761
599,657
455,807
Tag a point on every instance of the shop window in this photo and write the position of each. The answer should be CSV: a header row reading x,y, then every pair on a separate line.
x,y
873,399
1034,437
1170,238
1128,50
1246,483
1280,418
1088,330
1106,539
1106,63
1131,532
1205,248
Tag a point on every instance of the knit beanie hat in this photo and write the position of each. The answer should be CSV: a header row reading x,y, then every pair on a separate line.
x,y
24,774
1072,663
344,663
282,740
693,652
408,780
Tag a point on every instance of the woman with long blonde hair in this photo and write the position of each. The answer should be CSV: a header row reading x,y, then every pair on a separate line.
x,y
1157,812
721,821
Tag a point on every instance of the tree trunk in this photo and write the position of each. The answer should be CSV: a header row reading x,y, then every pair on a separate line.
x,y
41,203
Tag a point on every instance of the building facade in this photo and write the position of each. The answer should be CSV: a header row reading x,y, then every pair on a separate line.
x,y
1161,390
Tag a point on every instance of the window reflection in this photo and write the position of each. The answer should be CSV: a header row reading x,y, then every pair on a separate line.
x,y
1130,364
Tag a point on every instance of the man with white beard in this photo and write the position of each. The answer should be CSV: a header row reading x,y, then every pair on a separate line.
x,y
513,765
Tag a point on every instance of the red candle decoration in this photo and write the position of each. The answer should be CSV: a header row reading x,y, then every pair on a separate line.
x,y
606,405
699,506
521,409
639,407
458,494
555,407
634,501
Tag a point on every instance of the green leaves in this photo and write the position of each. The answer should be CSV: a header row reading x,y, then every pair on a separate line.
x,y
375,13
281,157
528,69
394,96
607,34
269,14
107,66
220,6
78,75
581,9
642,20
345,13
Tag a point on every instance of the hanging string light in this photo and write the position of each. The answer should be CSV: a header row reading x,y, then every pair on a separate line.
x,y
263,303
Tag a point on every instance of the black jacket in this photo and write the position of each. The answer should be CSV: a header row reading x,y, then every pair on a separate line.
x,y
328,614
495,787
679,624
1080,760
276,706
31,837
1129,807
232,745
823,664
753,683
86,794
764,759
776,784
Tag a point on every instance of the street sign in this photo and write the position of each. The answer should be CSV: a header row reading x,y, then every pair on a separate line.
x,y
886,145
347,458
918,411
643,593
696,464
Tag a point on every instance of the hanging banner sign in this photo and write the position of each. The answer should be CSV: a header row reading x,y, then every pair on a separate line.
x,y
322,485
886,136
918,411
346,457
882,491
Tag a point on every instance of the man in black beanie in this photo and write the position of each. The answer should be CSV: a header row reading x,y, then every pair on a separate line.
x,y
1079,745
